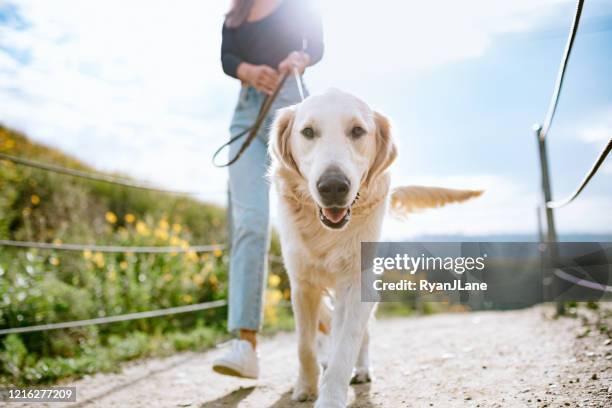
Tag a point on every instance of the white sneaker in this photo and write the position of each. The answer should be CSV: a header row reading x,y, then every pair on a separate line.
x,y
240,361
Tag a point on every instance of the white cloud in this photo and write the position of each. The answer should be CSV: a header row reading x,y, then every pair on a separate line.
x,y
137,86
127,86
573,218
598,127
373,39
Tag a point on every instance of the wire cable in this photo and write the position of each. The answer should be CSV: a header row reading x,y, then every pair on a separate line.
x,y
117,318
91,176
582,282
552,108
112,248
589,176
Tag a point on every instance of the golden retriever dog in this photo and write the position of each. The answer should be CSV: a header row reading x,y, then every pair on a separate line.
x,y
330,160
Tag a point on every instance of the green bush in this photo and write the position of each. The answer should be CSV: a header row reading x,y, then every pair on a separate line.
x,y
41,286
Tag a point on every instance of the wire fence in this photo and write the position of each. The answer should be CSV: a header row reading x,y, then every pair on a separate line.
x,y
600,160
552,108
118,181
113,248
541,132
549,204
117,318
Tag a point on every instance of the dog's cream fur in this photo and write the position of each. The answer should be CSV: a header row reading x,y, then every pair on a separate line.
x,y
318,258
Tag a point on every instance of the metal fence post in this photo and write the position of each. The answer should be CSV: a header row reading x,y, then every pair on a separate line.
x,y
551,232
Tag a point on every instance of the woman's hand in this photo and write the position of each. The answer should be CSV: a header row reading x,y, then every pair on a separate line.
x,y
297,59
261,77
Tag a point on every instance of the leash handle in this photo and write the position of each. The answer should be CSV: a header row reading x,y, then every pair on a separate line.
x,y
252,131
298,81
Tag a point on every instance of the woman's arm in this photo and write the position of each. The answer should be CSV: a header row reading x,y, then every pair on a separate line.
x,y
229,58
261,77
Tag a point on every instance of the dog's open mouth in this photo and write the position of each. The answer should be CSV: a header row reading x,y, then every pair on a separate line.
x,y
335,217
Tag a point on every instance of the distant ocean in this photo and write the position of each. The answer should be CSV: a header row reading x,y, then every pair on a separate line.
x,y
510,238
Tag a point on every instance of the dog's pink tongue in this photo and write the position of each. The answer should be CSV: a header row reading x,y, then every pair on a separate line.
x,y
334,214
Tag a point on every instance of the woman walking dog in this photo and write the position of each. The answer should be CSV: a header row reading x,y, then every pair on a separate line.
x,y
262,39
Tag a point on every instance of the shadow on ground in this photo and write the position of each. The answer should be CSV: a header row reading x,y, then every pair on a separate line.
x,y
230,400
127,384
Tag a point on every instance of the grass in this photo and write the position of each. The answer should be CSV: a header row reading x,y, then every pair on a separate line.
x,y
39,286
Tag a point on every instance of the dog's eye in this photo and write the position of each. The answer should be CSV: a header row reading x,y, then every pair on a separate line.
x,y
308,133
357,132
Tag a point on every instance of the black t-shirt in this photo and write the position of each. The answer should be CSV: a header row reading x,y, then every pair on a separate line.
x,y
292,26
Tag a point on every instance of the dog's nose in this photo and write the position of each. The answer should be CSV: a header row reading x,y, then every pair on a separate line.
x,y
333,188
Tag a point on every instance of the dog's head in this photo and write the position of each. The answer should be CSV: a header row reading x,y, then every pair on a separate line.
x,y
337,145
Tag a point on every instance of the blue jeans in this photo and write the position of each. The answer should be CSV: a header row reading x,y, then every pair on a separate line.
x,y
249,209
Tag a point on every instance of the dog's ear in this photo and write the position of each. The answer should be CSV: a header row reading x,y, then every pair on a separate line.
x,y
279,142
386,151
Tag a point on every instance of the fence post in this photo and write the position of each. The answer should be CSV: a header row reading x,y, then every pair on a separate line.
x,y
551,232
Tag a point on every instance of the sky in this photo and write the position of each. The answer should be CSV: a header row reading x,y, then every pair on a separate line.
x,y
137,87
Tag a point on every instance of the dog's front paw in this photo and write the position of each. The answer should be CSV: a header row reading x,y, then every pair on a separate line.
x,y
303,392
361,375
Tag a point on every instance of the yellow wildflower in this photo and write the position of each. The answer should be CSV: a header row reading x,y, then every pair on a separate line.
x,y
129,218
274,280
163,224
98,259
287,294
54,261
112,275
176,228
270,314
111,217
187,298
213,280
273,297
168,277
87,254
198,279
217,252
142,229
57,241
205,256
161,233
9,144
192,256
26,212
123,265
34,199
175,241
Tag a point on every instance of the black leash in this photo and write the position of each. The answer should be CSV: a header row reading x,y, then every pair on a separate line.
x,y
252,131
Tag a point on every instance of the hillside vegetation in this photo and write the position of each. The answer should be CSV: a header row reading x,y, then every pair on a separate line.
x,y
42,286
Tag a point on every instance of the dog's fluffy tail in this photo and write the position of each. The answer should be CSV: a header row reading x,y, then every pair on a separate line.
x,y
408,199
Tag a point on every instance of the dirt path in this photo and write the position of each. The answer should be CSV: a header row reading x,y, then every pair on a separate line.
x,y
489,359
